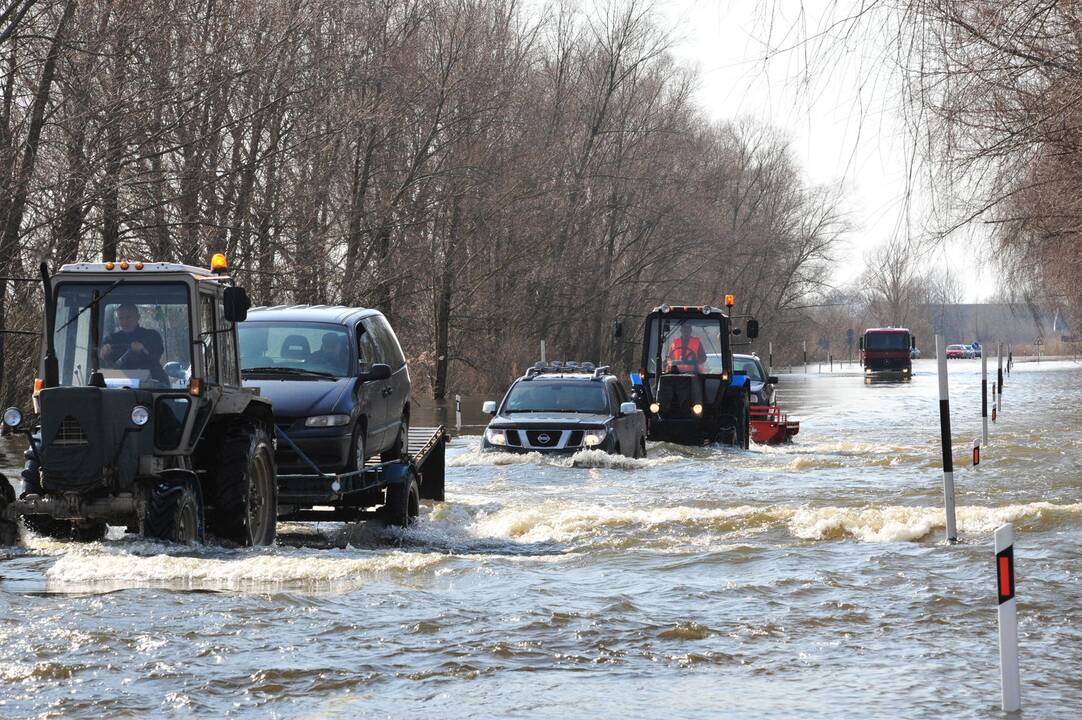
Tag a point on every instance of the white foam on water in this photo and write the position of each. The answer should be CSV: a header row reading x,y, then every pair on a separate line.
x,y
560,522
93,564
900,523
582,459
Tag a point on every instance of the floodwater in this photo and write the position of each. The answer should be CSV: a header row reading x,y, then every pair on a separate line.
x,y
811,579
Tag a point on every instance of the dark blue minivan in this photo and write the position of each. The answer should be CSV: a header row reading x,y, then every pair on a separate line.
x,y
337,381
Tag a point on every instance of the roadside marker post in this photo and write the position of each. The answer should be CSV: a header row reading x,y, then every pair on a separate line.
x,y
805,357
976,453
1009,678
999,371
770,358
945,438
984,398
458,413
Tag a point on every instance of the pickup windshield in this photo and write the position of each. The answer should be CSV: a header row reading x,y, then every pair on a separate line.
x,y
749,366
555,396
136,334
881,341
294,349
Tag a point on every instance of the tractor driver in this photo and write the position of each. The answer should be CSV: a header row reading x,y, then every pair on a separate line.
x,y
133,347
686,353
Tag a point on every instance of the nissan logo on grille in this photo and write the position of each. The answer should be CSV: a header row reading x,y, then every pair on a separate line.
x,y
543,438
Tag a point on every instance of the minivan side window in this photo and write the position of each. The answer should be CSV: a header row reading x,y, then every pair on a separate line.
x,y
367,353
389,351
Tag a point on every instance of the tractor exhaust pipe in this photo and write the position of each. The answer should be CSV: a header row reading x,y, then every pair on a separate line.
x,y
51,367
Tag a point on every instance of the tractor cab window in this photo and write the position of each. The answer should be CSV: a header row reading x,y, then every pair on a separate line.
x,y
685,345
135,334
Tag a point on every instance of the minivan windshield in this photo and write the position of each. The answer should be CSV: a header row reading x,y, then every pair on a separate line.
x,y
886,341
294,349
556,396
136,334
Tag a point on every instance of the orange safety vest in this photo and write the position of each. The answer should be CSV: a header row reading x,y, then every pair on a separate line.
x,y
687,359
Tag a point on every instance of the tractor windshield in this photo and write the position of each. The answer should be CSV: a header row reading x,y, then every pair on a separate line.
x,y
686,345
135,334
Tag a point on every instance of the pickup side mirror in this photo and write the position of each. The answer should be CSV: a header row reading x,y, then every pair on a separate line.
x,y
772,379
379,371
235,303
860,344
752,330
489,407
628,408
913,342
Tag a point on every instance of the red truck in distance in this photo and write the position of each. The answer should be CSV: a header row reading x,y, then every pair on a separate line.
x,y
887,350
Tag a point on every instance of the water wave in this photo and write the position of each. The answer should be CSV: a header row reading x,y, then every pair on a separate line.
x,y
895,523
90,565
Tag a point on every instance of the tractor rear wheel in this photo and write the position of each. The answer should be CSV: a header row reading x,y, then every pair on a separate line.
x,y
246,505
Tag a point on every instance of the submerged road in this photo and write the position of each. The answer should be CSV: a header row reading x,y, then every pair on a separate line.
x,y
809,580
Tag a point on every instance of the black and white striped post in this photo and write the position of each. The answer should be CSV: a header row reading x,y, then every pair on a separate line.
x,y
458,413
999,371
984,398
945,436
770,358
1009,679
805,357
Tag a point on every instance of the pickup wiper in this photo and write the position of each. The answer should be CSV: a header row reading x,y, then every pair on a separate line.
x,y
288,371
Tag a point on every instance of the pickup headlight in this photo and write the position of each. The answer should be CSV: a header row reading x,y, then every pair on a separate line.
x,y
496,437
593,438
327,421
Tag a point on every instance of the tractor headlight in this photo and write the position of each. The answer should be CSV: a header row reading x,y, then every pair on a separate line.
x,y
655,408
13,417
140,415
327,421
496,437
593,438
697,408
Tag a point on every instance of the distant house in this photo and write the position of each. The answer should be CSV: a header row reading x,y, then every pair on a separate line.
x,y
1017,323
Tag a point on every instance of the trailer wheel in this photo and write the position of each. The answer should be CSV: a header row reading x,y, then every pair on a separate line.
x,y
403,502
174,513
246,506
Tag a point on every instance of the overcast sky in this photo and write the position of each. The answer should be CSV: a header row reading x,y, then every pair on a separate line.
x,y
844,120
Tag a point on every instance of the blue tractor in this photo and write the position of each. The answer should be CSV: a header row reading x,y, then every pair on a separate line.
x,y
686,384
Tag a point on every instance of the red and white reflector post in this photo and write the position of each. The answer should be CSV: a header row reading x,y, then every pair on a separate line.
x,y
945,435
1009,679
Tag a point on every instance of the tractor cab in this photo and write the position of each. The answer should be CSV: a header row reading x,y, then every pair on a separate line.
x,y
686,384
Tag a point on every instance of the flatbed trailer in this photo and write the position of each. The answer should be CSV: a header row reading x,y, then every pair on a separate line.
x,y
770,426
349,496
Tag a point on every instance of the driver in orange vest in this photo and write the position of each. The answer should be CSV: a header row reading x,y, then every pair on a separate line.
x,y
686,352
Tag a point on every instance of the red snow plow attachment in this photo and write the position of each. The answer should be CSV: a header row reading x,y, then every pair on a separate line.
x,y
770,426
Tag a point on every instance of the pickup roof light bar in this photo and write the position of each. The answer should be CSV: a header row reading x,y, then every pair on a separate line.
x,y
558,366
